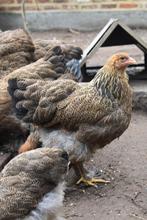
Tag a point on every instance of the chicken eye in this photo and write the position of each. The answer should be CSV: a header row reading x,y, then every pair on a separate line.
x,y
123,59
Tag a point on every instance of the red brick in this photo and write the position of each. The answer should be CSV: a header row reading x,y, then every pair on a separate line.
x,y
3,8
64,7
70,7
128,5
105,6
26,1
89,6
73,7
60,1
100,1
15,8
6,1
50,7
43,1
31,7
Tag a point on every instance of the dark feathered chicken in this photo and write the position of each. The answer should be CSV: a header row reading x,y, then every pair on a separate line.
x,y
43,46
51,67
79,117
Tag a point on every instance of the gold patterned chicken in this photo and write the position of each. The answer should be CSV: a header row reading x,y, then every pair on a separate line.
x,y
32,185
78,117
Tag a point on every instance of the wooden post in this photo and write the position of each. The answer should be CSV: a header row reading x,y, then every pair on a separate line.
x,y
83,71
145,61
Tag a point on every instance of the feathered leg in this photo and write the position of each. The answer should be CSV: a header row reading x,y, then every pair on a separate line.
x,y
31,143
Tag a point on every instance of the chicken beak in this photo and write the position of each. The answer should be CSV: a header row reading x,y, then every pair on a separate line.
x,y
131,61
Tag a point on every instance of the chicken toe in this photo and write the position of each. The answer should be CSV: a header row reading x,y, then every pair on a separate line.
x,y
92,181
84,177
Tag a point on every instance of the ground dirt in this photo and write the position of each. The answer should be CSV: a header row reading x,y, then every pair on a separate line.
x,y
123,162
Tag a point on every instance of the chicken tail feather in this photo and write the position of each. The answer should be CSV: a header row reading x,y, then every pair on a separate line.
x,y
12,87
74,67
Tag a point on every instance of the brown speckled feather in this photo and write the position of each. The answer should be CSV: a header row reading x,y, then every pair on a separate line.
x,y
27,178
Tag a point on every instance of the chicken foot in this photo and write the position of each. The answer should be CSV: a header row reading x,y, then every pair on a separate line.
x,y
85,179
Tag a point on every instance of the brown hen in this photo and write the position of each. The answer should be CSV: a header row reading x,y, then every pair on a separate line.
x,y
32,184
16,50
78,117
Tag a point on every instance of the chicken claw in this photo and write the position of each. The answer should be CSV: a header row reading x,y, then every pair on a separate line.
x,y
92,181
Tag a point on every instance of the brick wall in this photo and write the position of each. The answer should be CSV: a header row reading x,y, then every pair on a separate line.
x,y
15,5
